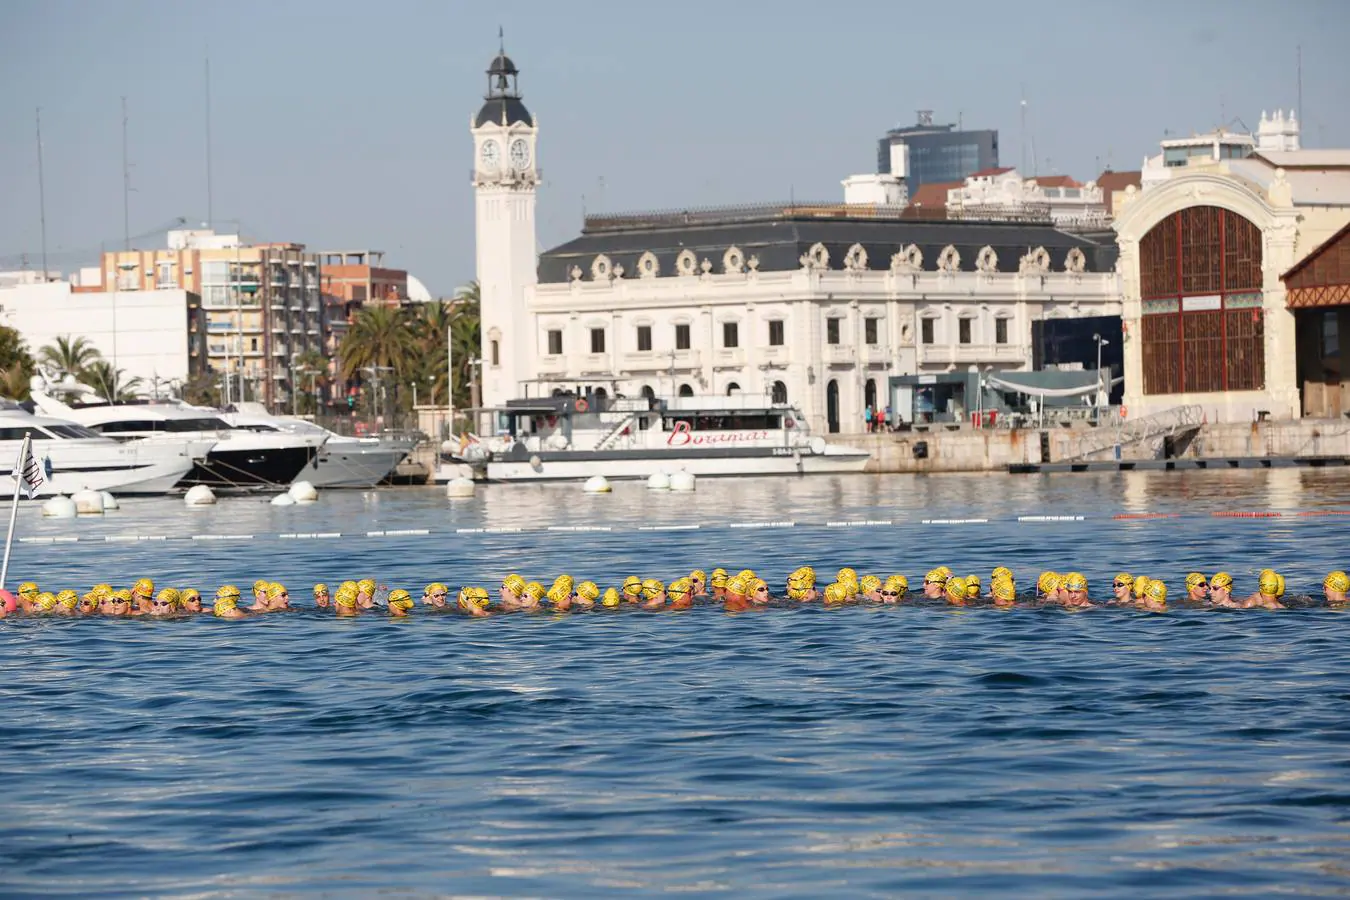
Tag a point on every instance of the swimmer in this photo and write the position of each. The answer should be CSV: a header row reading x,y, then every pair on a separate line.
x,y
869,586
474,601
681,593
801,585
1155,596
1002,572
717,583
1047,587
190,601
344,601
631,589
1122,587
278,598
165,603
734,595
533,596
611,599
67,603
142,595
1197,588
513,586
973,589
758,591
935,583
1004,593
653,594
120,604
1076,591
1140,588
43,604
400,602
365,593
894,589
435,593
322,599
227,603
1269,590
586,594
260,602
27,593
698,581
1334,587
955,591
834,594
88,604
845,575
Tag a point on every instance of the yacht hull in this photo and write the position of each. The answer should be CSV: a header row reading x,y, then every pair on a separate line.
x,y
718,463
119,469
225,468
353,465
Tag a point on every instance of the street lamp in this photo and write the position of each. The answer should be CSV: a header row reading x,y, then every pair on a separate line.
x,y
375,385
1101,342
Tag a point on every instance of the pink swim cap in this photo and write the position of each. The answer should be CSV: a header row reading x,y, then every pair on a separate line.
x,y
10,601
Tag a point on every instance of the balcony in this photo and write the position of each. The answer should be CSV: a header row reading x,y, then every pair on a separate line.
x,y
972,354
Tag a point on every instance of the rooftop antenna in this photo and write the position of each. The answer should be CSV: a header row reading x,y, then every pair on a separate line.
x,y
1023,165
42,196
210,219
501,40
126,183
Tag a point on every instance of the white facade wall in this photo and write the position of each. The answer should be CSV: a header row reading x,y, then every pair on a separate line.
x,y
803,300
145,333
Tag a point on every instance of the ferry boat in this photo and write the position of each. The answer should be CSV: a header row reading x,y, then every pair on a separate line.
x,y
567,438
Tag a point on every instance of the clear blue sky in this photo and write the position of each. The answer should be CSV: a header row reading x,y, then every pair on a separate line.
x,y
343,124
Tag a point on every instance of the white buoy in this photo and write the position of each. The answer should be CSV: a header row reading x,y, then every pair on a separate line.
x,y
199,495
283,500
59,507
109,502
682,481
459,487
597,484
658,481
303,492
536,463
87,502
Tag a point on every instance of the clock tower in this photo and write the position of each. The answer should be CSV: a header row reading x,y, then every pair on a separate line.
x,y
505,180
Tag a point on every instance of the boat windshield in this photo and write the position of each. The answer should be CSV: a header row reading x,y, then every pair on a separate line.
x,y
127,426
71,432
757,420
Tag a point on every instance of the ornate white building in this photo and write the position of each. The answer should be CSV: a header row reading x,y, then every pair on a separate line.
x,y
820,305
1005,194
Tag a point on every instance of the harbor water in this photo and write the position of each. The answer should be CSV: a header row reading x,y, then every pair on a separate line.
x,y
859,751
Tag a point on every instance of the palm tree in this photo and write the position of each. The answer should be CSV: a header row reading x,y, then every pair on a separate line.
x,y
311,371
202,390
109,383
379,336
16,364
466,338
14,381
69,355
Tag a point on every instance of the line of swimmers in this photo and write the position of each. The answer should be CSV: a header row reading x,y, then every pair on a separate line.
x,y
736,593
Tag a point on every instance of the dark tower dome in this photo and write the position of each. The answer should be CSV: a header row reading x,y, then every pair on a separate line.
x,y
502,104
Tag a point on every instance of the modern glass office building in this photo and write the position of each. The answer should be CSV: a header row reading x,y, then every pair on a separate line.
x,y
925,153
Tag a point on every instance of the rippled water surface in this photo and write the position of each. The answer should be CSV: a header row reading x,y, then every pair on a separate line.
x,y
787,752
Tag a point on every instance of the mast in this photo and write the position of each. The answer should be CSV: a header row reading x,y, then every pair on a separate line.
x,y
42,196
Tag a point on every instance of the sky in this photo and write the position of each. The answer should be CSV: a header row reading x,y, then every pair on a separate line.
x,y
344,125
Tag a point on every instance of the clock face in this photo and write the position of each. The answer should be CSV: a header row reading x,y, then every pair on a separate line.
x,y
520,154
490,156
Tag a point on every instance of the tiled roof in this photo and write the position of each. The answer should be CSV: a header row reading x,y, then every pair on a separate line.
x,y
1056,181
997,170
1110,182
933,194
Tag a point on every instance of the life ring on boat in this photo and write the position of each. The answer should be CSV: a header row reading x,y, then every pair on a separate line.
x,y
581,405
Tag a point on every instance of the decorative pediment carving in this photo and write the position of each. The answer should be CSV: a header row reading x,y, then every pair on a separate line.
x,y
733,260
1035,262
575,273
856,258
1075,262
949,260
752,263
909,259
706,266
601,268
686,263
816,258
987,261
648,265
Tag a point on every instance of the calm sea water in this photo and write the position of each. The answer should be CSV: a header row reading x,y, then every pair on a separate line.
x,y
804,752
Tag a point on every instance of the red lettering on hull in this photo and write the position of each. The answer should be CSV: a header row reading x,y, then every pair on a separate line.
x,y
684,436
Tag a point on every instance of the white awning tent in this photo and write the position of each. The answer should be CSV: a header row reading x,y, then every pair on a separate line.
x,y
1006,382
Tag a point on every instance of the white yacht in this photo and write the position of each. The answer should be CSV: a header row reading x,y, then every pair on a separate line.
x,y
342,461
76,458
238,458
564,438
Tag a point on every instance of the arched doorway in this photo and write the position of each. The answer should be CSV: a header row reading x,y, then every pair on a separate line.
x,y
1202,328
870,393
779,392
733,388
686,390
648,393
832,406
600,396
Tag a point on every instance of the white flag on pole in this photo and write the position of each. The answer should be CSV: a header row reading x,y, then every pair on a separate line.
x,y
29,470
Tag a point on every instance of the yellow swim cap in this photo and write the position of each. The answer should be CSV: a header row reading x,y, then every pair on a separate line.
x,y
557,596
348,586
680,587
474,596
275,590
718,578
795,591
535,591
261,585
1002,572
168,595
897,583
69,599
564,583
937,576
224,604
834,593
632,586
345,596
1075,581
1004,589
651,588
227,591
513,583
738,586
26,588
366,586
143,586
946,572
747,575
320,588
808,575
102,590
955,588
611,598
1156,591
1194,580
45,602
869,583
437,588
1047,582
190,594
1336,581
400,599
1141,586
972,587
1123,579
588,590
846,574
699,575
1221,580
1270,583
122,595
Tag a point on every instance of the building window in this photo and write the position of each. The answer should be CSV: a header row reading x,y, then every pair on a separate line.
x,y
870,331
963,330
253,345
1000,331
686,390
1203,326
682,341
779,392
832,330
730,335
597,340
733,388
926,330
644,338
776,333
496,353
555,343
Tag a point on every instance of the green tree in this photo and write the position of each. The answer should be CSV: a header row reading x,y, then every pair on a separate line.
x,y
14,382
68,356
466,338
311,376
109,383
16,364
203,390
378,336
